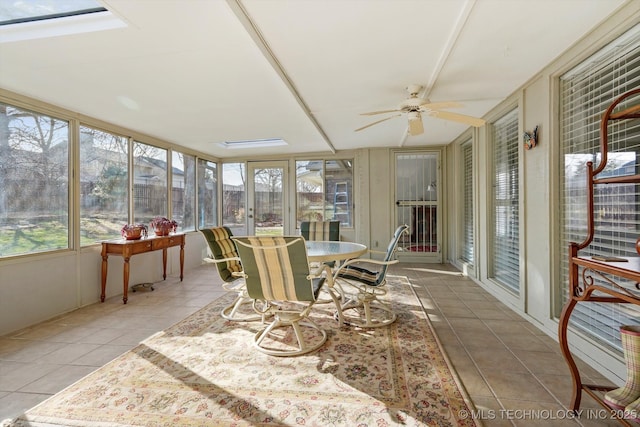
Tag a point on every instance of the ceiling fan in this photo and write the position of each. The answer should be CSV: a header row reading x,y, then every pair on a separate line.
x,y
414,107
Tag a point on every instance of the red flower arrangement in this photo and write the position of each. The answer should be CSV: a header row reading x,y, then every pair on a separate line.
x,y
134,231
163,226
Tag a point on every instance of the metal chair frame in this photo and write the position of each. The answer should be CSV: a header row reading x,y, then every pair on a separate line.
x,y
281,283
369,286
233,280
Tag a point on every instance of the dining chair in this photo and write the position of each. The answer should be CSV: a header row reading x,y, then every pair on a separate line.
x,y
320,230
278,278
364,308
223,254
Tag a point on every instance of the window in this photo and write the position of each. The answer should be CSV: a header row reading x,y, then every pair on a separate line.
x,y
37,10
207,194
467,250
506,202
104,185
234,184
34,172
35,19
149,182
585,93
183,190
324,191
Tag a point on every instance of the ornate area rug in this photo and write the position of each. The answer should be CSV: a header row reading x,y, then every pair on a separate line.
x,y
204,371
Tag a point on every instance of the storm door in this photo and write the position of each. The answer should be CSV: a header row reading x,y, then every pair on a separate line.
x,y
417,194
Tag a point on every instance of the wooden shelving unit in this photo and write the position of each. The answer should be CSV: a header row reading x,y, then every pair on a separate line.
x,y
584,269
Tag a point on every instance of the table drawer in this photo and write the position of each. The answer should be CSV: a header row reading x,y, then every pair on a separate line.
x,y
141,247
160,243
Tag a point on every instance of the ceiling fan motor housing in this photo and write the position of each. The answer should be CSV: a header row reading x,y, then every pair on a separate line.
x,y
413,115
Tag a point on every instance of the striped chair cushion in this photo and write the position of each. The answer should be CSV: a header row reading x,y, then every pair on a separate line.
x,y
221,247
360,274
276,271
320,230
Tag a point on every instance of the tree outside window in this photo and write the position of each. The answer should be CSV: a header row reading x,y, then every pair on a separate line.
x,y
34,172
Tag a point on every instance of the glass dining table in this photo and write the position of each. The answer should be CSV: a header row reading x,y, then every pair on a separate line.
x,y
326,251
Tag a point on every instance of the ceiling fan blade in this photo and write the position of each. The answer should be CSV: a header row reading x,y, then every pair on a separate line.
x,y
371,113
379,121
415,127
461,118
440,105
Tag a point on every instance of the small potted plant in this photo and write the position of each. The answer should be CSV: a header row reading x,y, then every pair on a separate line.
x,y
163,226
134,231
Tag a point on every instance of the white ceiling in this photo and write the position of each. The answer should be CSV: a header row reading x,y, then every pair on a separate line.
x,y
197,72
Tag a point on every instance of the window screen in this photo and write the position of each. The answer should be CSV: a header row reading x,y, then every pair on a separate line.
x,y
506,232
466,254
585,93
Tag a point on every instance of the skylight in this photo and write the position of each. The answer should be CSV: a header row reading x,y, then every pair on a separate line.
x,y
18,11
32,19
253,143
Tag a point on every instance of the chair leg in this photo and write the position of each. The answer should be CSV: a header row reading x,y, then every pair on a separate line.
x,y
367,303
293,320
232,311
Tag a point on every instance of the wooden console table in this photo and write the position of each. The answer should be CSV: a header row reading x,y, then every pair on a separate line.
x,y
127,248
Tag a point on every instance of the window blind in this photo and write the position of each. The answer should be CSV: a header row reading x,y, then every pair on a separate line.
x,y
585,93
466,253
506,231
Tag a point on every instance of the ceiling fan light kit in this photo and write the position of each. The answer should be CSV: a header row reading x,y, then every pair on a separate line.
x,y
414,106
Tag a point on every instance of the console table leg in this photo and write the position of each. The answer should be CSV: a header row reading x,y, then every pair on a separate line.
x,y
164,264
566,352
125,280
181,259
104,276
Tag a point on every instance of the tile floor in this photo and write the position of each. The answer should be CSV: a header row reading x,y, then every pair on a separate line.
x,y
513,372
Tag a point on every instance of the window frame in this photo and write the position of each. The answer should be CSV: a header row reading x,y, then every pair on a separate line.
x,y
595,321
326,192
512,261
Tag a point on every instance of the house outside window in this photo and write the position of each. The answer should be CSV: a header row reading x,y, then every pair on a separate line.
x,y
324,191
104,185
149,182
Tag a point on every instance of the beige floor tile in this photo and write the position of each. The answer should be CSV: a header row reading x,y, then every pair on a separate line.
x,y
491,358
524,340
56,380
15,375
490,412
14,404
503,361
516,385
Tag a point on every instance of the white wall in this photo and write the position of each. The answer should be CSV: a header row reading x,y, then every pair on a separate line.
x,y
39,287
540,250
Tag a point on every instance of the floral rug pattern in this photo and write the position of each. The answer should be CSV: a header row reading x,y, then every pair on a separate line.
x,y
204,371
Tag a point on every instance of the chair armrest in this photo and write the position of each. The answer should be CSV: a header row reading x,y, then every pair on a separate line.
x,y
217,261
317,271
372,251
